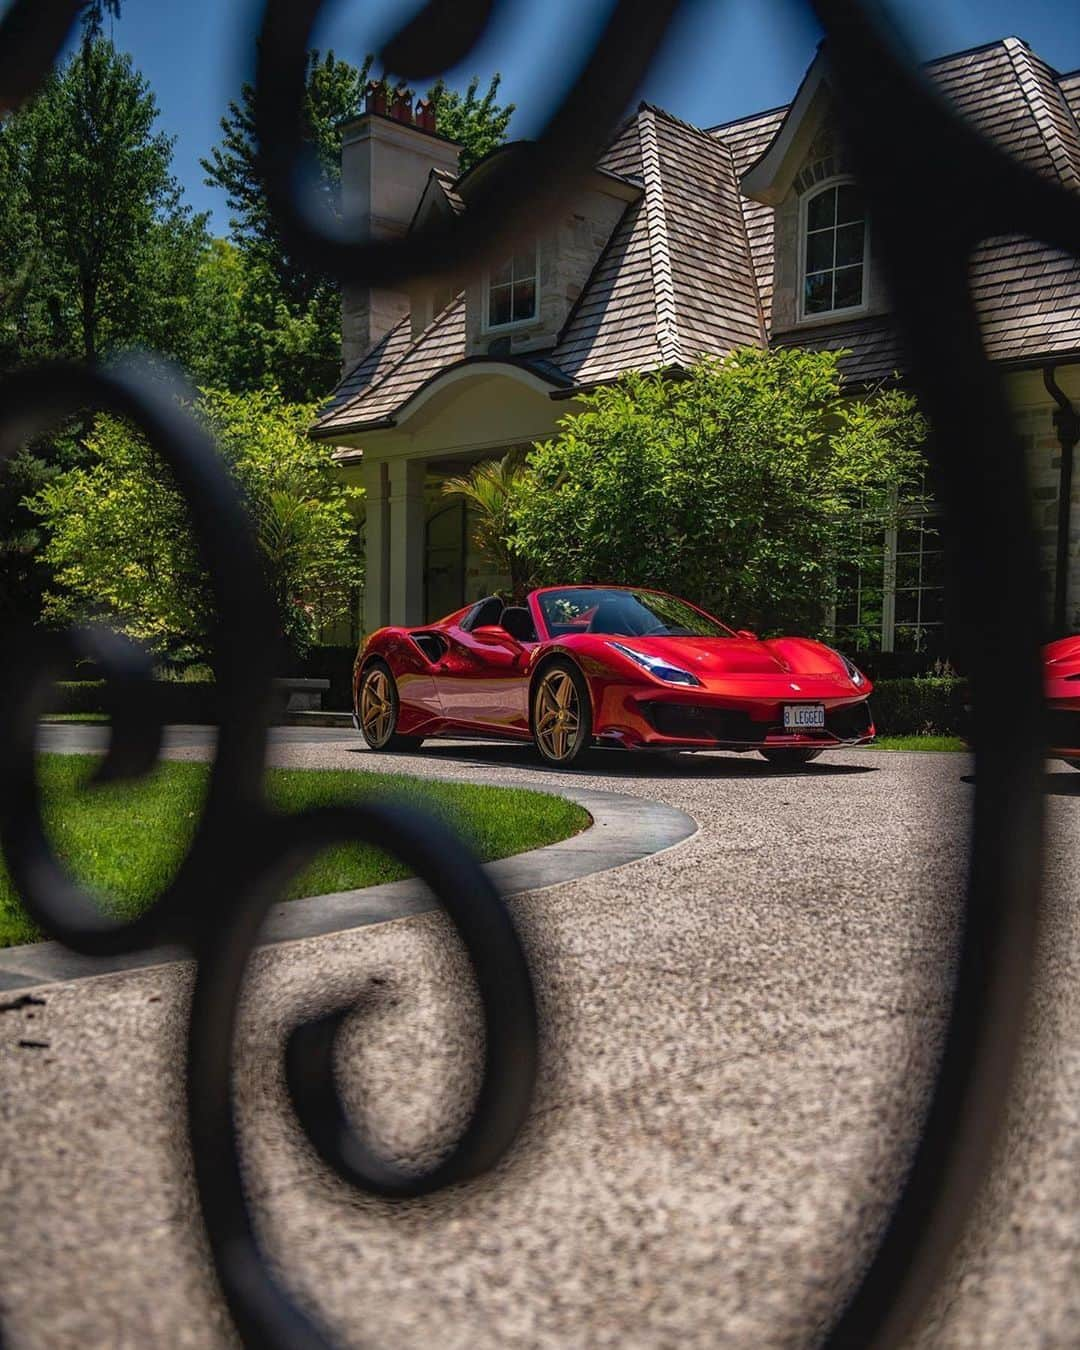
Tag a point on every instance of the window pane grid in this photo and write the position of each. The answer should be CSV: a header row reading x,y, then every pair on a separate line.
x,y
834,251
512,290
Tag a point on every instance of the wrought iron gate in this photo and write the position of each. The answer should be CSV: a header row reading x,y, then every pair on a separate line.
x,y
900,134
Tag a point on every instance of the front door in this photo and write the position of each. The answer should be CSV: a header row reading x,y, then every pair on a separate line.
x,y
445,546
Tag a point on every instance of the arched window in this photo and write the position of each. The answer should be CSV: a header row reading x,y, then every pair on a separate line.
x,y
834,250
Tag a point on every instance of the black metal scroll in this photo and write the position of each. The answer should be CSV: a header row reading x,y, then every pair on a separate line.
x,y
909,149
242,854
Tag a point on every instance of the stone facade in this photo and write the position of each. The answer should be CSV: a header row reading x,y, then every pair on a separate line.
x,y
1034,413
385,166
567,251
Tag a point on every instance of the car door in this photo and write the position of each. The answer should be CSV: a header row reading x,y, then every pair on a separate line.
x,y
482,682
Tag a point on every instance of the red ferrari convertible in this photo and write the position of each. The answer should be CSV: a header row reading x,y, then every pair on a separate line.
x,y
1061,684
578,666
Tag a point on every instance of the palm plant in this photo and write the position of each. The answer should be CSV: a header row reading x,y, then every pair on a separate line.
x,y
490,489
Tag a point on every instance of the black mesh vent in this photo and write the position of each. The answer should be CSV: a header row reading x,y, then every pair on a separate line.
x,y
850,721
721,724
1063,728
688,722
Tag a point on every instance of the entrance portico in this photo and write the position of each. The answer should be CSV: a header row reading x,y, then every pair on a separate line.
x,y
476,410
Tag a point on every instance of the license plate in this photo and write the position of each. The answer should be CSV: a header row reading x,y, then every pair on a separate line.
x,y
804,717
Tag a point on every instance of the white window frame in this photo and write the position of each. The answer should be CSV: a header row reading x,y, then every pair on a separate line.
x,y
828,315
927,513
486,326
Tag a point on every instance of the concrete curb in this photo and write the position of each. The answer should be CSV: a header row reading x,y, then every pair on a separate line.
x,y
624,830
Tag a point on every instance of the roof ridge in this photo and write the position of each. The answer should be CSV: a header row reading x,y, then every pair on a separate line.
x,y
970,51
674,118
747,117
1021,58
667,330
740,204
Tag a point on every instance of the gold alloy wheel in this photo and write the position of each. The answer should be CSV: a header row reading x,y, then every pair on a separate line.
x,y
558,715
377,709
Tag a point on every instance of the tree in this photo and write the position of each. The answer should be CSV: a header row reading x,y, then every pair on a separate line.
x,y
492,489
739,485
94,12
97,253
479,124
120,545
284,296
107,247
244,335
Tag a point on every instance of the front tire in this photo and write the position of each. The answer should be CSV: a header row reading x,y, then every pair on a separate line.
x,y
789,758
377,709
561,714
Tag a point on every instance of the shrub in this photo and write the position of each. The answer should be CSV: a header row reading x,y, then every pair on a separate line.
x,y
741,485
929,705
192,701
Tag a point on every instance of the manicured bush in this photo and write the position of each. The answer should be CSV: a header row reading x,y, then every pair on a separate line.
x,y
922,706
188,701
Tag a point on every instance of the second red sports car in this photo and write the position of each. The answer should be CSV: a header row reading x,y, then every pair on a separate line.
x,y
578,666
1061,685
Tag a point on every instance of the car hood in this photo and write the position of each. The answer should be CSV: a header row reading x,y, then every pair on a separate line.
x,y
1061,669
711,656
1062,657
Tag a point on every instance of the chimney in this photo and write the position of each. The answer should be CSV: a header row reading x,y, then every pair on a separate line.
x,y
387,154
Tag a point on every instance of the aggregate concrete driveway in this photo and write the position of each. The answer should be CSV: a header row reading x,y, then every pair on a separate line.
x,y
738,1035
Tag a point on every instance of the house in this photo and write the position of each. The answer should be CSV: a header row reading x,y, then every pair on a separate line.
x,y
686,242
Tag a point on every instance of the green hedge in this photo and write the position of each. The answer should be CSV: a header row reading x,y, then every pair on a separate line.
x,y
928,705
191,701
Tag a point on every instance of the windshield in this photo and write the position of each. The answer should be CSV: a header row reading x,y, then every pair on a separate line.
x,y
579,609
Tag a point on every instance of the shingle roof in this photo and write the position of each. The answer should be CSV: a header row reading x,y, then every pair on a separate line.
x,y
1027,295
871,346
746,139
688,269
448,182
676,280
370,395
1070,91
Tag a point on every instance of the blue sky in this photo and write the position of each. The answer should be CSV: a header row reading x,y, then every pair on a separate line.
x,y
723,61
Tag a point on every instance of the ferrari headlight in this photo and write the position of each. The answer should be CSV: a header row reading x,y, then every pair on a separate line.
x,y
656,665
854,673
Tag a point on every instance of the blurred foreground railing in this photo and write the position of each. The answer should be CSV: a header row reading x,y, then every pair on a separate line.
x,y
910,151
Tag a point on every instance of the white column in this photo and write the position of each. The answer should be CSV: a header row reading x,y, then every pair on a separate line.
x,y
407,540
376,545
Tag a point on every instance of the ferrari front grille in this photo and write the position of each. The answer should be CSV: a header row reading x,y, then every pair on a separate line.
x,y
690,722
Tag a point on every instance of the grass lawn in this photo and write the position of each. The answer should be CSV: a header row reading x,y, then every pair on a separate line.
x,y
919,743
77,717
126,840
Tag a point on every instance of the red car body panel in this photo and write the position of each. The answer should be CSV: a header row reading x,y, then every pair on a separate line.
x,y
452,682
1061,687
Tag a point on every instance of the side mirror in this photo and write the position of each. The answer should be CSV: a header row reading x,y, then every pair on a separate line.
x,y
746,633
494,635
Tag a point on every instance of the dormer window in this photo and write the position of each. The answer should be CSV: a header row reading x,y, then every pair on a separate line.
x,y
834,250
512,290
